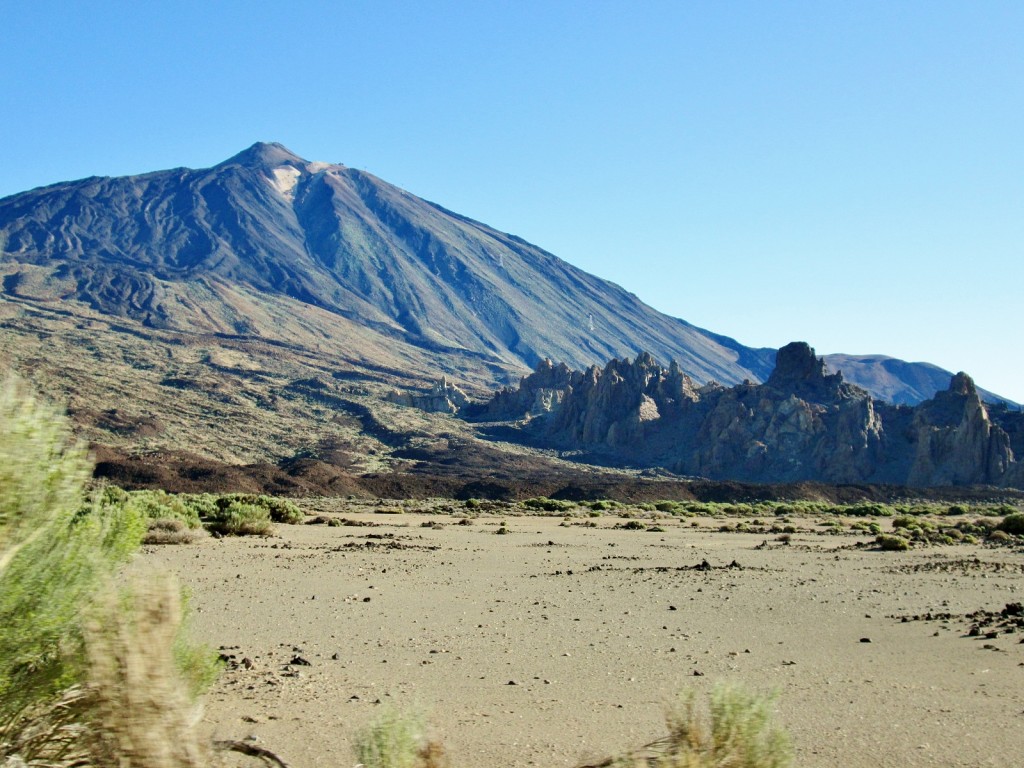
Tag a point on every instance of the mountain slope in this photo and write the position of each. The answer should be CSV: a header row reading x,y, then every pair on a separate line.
x,y
170,249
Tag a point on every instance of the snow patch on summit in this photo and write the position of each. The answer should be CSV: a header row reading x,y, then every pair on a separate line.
x,y
284,180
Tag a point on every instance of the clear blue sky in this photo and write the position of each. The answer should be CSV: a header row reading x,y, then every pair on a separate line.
x,y
846,173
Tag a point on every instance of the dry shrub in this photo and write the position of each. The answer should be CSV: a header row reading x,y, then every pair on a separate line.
x,y
398,741
733,729
172,531
49,733
135,709
140,707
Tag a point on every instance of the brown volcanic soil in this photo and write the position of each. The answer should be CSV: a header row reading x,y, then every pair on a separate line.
x,y
462,469
598,627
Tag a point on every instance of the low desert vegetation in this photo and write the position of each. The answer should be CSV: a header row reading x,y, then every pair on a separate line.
x,y
241,519
730,728
185,518
395,740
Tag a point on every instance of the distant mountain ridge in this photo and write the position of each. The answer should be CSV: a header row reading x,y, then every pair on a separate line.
x,y
269,245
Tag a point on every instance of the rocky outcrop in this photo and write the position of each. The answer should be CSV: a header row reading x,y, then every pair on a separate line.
x,y
539,393
803,424
443,397
956,441
619,405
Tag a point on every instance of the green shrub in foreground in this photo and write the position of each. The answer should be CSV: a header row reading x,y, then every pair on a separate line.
x,y
54,552
57,557
733,729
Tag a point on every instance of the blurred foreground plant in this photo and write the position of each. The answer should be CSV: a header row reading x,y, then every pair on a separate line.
x,y
397,741
733,728
83,669
55,552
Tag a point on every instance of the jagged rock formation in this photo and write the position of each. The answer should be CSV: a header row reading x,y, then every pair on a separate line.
x,y
956,441
443,397
803,423
539,393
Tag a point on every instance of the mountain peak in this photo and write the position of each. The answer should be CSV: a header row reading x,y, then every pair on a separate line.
x,y
266,154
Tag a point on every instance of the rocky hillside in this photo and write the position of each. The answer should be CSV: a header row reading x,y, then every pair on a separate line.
x,y
802,424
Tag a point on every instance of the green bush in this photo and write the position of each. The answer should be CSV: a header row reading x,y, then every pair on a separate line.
x,y
241,519
55,552
1013,524
671,507
203,504
160,505
57,557
733,729
892,543
278,510
868,509
545,504
391,741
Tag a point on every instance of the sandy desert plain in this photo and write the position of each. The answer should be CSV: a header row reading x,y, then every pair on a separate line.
x,y
563,639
